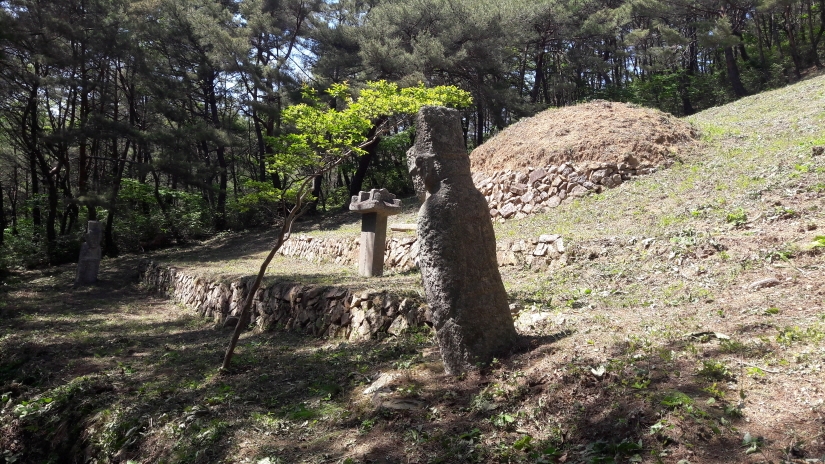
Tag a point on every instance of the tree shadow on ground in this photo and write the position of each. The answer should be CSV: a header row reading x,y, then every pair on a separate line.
x,y
142,358
130,376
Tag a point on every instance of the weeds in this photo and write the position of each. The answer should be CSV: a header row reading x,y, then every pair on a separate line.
x,y
715,370
604,452
790,335
737,217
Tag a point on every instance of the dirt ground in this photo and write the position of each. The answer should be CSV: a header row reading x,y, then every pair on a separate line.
x,y
118,374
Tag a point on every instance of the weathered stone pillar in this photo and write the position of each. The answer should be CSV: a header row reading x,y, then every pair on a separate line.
x,y
457,255
375,206
89,261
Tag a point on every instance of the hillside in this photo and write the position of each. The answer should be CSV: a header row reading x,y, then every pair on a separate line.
x,y
684,324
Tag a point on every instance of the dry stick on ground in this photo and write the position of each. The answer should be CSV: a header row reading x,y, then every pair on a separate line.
x,y
283,236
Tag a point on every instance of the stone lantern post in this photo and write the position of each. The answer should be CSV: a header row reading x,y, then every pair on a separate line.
x,y
375,206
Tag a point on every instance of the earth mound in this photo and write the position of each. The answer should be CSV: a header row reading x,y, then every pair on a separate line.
x,y
599,131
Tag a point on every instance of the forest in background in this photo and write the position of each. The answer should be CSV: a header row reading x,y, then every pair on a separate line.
x,y
165,116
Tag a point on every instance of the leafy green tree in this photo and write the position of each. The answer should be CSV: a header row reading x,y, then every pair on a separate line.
x,y
334,40
466,43
323,137
275,32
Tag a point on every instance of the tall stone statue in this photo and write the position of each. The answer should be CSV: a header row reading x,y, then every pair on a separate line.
x,y
458,248
89,261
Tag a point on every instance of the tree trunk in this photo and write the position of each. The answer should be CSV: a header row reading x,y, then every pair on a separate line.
x,y
816,37
51,220
220,216
262,146
479,123
538,85
220,213
109,245
733,74
357,181
13,190
32,147
3,220
312,207
283,235
82,162
763,67
686,79
792,45
741,47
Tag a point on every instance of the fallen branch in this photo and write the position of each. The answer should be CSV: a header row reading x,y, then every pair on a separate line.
x,y
770,371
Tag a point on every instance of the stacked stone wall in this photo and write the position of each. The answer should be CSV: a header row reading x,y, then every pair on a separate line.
x,y
518,194
324,311
510,195
401,254
335,312
355,315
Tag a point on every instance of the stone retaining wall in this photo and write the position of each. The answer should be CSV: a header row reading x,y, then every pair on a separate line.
x,y
401,253
510,195
515,195
323,311
357,315
334,312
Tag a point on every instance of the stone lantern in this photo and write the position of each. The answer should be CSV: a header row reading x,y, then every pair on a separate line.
x,y
374,206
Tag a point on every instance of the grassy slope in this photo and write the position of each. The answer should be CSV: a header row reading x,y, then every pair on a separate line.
x,y
612,371
756,152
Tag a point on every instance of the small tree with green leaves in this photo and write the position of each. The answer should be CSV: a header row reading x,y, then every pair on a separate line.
x,y
324,137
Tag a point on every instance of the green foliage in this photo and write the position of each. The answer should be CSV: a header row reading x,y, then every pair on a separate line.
x,y
752,444
23,248
737,217
754,371
322,133
601,451
790,335
27,408
503,420
668,91
389,168
676,399
715,370
142,218
367,425
29,248
321,137
524,443
262,198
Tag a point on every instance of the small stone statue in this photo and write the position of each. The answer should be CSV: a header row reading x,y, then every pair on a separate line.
x,y
89,262
458,264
